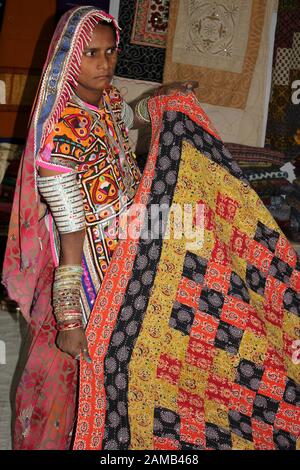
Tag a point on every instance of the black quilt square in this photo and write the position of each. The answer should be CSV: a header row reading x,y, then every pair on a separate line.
x,y
266,236
249,375
194,267
265,409
280,270
211,302
292,393
166,423
284,440
291,301
238,288
255,279
228,337
182,317
240,424
217,438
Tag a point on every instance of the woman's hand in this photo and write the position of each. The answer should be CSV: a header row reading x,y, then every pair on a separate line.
x,y
183,87
74,342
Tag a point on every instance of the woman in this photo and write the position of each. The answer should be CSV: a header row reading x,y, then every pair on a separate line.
x,y
77,155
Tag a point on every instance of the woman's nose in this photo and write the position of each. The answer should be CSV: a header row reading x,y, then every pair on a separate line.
x,y
102,62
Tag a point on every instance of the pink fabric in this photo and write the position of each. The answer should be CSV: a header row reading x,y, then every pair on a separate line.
x,y
51,166
46,396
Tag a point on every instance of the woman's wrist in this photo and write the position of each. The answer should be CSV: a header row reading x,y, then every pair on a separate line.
x,y
66,297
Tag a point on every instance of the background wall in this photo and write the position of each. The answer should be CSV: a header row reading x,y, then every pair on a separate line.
x,y
24,39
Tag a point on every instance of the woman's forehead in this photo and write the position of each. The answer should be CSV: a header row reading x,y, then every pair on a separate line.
x,y
103,34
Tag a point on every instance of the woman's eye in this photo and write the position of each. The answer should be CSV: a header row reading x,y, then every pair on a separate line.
x,y
111,50
89,53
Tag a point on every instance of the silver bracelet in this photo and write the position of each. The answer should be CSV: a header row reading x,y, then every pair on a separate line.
x,y
141,110
62,194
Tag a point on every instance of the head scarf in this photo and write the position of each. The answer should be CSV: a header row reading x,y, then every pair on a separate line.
x,y
27,237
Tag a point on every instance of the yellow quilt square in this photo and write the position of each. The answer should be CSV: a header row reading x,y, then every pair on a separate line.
x,y
291,324
166,395
292,370
244,221
216,413
175,344
238,443
275,335
253,348
224,364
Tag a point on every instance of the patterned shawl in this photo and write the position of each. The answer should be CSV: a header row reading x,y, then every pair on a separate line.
x,y
28,239
192,340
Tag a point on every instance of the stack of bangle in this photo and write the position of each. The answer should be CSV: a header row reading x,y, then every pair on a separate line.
x,y
66,297
141,110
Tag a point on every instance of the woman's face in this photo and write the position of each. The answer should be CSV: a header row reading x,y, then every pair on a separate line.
x,y
98,62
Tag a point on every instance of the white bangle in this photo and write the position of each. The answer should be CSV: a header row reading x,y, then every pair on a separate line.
x,y
141,110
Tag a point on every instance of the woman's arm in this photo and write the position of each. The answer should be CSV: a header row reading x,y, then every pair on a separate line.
x,y
71,337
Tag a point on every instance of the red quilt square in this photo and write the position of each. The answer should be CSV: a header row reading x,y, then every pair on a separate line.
x,y
274,291
220,253
204,327
288,419
273,384
286,252
235,312
295,280
254,322
288,345
274,359
190,404
242,400
200,354
188,292
262,435
226,207
217,277
260,256
193,431
168,369
240,243
218,389
162,443
274,314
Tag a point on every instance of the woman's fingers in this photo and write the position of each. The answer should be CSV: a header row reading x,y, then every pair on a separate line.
x,y
74,344
183,87
85,351
191,85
